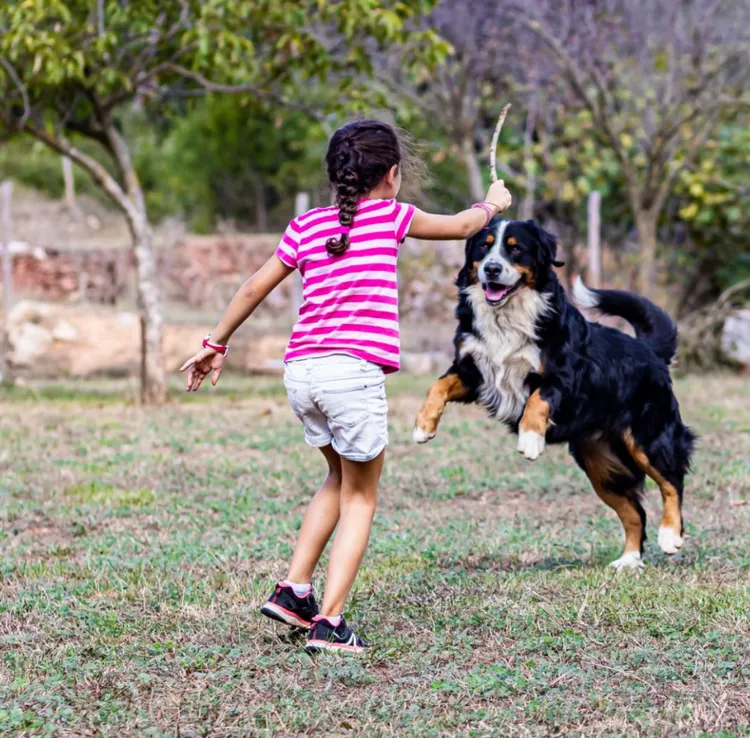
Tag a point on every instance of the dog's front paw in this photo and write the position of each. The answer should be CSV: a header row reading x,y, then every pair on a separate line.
x,y
420,435
670,541
530,444
628,561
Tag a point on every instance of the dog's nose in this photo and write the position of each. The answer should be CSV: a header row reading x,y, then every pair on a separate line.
x,y
493,270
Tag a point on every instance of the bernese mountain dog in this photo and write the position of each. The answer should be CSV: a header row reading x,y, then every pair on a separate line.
x,y
525,353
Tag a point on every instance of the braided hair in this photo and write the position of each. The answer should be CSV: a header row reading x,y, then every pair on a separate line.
x,y
359,155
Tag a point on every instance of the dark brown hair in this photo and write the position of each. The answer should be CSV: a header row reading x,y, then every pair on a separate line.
x,y
359,155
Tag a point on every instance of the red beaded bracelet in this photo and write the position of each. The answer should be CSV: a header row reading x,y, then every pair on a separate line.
x,y
487,210
220,348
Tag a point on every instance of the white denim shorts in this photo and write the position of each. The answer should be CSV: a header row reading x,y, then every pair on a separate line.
x,y
340,401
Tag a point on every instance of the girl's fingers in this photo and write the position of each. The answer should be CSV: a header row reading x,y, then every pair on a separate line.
x,y
216,374
188,363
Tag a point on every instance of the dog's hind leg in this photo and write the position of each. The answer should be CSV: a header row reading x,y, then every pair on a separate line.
x,y
667,465
619,486
449,388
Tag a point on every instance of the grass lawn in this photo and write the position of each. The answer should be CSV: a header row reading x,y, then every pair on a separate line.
x,y
136,548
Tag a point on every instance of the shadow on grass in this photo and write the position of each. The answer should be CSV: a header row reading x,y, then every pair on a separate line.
x,y
514,564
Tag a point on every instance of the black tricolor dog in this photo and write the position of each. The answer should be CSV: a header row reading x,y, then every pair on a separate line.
x,y
528,355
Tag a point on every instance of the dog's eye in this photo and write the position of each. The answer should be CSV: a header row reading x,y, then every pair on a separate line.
x,y
515,251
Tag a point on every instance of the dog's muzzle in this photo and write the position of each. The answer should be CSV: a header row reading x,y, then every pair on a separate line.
x,y
498,282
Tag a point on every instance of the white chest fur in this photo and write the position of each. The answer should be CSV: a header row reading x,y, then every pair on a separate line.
x,y
506,353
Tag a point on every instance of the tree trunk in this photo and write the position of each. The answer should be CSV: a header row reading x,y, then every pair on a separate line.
x,y
473,170
130,200
153,376
646,224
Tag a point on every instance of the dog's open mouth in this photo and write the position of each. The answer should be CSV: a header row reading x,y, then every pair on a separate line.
x,y
496,293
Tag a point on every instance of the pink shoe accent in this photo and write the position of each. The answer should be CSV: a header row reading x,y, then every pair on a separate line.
x,y
328,646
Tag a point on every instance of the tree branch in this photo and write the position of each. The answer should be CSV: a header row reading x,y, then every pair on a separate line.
x,y
11,72
100,175
577,80
210,86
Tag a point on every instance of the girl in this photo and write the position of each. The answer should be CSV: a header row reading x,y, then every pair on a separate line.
x,y
344,343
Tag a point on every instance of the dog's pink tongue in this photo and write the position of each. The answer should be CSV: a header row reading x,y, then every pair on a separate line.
x,y
495,294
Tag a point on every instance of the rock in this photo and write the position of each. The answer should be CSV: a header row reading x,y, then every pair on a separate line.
x,y
29,343
735,339
125,320
28,311
65,332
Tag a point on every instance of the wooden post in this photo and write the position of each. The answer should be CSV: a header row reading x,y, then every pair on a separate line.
x,y
6,236
594,240
70,186
301,206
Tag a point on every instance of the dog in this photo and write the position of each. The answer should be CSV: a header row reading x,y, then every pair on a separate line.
x,y
524,352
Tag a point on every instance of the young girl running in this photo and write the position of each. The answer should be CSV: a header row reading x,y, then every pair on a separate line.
x,y
344,343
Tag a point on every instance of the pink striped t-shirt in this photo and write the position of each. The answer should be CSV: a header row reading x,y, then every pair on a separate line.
x,y
349,302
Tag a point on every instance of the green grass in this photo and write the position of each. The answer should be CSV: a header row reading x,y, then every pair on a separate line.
x,y
136,547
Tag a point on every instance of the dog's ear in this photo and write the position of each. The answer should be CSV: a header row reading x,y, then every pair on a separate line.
x,y
547,248
462,280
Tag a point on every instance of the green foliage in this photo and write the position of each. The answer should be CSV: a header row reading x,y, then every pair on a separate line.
x,y
712,197
214,160
65,70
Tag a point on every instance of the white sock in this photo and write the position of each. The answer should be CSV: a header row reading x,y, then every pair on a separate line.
x,y
301,590
334,620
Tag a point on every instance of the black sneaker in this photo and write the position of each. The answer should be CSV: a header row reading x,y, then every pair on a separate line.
x,y
324,636
286,607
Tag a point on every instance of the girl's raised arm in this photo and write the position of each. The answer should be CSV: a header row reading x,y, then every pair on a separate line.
x,y
464,224
248,297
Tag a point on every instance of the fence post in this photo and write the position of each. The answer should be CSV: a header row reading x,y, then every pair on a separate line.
x,y
594,240
301,206
6,236
70,186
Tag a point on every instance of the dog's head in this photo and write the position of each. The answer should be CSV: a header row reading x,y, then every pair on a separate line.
x,y
508,256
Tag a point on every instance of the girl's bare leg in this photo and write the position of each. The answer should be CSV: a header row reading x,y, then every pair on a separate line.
x,y
359,492
319,522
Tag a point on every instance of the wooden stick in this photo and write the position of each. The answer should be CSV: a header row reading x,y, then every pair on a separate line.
x,y
493,147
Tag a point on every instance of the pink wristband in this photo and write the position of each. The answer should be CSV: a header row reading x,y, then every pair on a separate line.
x,y
218,347
486,209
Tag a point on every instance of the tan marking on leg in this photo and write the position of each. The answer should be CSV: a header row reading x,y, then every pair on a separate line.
x,y
601,464
535,416
447,389
672,517
533,426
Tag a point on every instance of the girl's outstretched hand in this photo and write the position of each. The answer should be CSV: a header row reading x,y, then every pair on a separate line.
x,y
198,367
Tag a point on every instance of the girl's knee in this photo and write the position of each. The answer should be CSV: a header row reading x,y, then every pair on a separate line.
x,y
334,478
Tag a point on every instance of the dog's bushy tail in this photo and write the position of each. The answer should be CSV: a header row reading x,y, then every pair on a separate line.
x,y
652,325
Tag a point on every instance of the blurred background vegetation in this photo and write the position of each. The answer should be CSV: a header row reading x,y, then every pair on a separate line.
x,y
644,101
234,161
